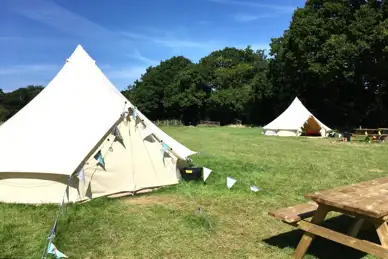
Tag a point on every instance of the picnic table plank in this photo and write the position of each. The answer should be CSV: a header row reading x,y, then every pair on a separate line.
x,y
382,232
308,237
295,213
368,198
353,242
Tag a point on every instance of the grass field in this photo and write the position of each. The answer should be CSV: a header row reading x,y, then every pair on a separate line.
x,y
163,224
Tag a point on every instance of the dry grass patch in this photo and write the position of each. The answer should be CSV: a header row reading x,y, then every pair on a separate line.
x,y
375,170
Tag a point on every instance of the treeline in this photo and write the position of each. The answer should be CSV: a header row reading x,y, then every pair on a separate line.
x,y
228,84
12,102
333,56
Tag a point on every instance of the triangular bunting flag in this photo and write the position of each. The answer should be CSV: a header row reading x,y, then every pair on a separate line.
x,y
99,158
146,132
68,188
230,182
117,134
206,173
164,148
53,250
53,231
81,175
254,188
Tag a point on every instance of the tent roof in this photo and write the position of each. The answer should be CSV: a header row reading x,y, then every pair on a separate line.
x,y
60,126
293,118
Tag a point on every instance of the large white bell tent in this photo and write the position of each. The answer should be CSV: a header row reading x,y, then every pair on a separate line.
x,y
295,121
79,139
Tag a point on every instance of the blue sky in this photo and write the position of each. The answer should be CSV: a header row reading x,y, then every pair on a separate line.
x,y
36,36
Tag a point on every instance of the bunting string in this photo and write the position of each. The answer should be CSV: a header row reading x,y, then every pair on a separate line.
x,y
199,209
50,248
230,181
141,133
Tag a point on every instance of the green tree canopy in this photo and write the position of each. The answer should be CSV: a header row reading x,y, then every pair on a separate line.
x,y
12,102
148,92
333,57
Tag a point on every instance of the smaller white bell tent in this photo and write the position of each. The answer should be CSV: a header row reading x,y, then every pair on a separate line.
x,y
79,139
295,120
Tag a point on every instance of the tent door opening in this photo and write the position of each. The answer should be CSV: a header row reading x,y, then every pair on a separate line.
x,y
311,128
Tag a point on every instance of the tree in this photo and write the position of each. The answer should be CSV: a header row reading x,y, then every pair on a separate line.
x,y
128,92
332,57
2,94
3,111
234,76
186,97
149,92
16,100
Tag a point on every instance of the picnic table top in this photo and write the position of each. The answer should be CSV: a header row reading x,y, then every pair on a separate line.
x,y
368,198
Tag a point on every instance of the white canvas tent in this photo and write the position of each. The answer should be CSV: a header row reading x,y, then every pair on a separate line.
x,y
59,133
294,120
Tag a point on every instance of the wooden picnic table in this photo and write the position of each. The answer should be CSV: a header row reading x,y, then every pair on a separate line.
x,y
366,201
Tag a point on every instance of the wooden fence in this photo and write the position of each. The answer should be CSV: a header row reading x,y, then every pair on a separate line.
x,y
209,123
168,123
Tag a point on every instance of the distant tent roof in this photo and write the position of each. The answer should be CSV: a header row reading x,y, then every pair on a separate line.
x,y
59,127
293,118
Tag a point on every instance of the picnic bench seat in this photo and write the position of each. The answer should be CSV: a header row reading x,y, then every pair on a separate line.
x,y
296,213
365,202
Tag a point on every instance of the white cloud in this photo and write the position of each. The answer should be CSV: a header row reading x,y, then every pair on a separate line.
x,y
74,26
245,17
25,69
121,77
53,15
4,38
16,76
127,44
138,56
131,73
172,42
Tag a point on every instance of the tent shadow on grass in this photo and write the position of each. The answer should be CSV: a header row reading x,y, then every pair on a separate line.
x,y
323,248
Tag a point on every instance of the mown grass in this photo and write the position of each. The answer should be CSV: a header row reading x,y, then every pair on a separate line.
x,y
163,224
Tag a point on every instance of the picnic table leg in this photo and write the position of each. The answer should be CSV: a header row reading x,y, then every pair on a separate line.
x,y
382,232
355,228
307,238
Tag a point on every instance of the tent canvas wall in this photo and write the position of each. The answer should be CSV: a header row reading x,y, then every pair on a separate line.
x,y
77,119
295,120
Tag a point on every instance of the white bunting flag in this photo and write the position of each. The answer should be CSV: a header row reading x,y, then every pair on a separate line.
x,y
206,173
230,182
81,175
146,132
254,188
53,250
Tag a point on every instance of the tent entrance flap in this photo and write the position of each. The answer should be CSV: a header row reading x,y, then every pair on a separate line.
x,y
311,127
